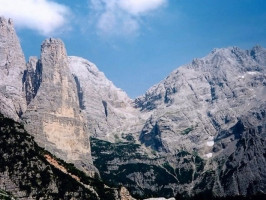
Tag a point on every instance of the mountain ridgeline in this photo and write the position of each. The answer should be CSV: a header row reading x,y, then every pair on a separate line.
x,y
199,133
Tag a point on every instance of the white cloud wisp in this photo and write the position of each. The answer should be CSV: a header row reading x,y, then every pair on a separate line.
x,y
116,17
45,16
136,7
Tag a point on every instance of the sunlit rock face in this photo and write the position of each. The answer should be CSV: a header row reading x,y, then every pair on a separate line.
x,y
214,107
53,115
109,111
12,66
197,101
205,127
200,130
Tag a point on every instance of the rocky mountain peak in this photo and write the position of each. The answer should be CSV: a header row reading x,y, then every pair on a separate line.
x,y
207,93
53,50
7,24
201,129
12,66
109,110
259,54
53,115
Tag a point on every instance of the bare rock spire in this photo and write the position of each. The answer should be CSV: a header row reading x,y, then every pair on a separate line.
x,y
53,115
12,66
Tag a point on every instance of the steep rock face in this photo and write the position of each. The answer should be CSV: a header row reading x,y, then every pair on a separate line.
x,y
237,169
214,107
32,78
53,115
206,125
29,172
194,102
12,66
108,109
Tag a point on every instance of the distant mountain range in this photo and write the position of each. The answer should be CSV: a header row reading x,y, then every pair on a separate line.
x,y
199,133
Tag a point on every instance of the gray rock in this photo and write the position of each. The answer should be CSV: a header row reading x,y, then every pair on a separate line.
x,y
203,127
53,115
109,111
198,100
32,78
205,122
12,66
29,172
215,107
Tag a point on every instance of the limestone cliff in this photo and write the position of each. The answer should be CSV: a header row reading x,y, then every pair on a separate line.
x,y
213,107
53,115
12,66
109,111
205,129
196,101
200,131
29,172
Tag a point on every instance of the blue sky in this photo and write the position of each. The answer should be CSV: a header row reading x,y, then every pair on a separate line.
x,y
137,43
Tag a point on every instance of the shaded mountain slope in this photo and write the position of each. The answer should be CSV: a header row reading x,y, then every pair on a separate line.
x,y
27,171
213,108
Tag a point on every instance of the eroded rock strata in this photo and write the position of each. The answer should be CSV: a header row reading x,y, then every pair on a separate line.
x,y
198,133
12,66
53,115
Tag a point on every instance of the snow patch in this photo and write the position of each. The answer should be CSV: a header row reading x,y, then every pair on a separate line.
x,y
208,155
253,73
210,143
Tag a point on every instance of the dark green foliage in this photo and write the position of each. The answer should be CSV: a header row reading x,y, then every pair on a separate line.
x,y
182,154
123,164
207,180
124,174
187,131
128,137
22,157
199,163
6,195
169,168
184,175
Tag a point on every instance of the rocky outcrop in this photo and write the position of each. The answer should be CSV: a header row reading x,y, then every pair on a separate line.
x,y
208,108
194,102
27,171
53,115
124,194
241,153
108,109
204,130
198,132
32,78
12,66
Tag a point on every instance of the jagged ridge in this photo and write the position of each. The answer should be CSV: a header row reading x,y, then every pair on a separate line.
x,y
206,108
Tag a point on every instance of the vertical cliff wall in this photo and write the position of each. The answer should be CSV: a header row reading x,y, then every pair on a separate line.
x,y
12,66
53,115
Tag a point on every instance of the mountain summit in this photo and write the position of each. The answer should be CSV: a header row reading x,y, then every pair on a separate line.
x,y
55,119
12,66
200,132
197,101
